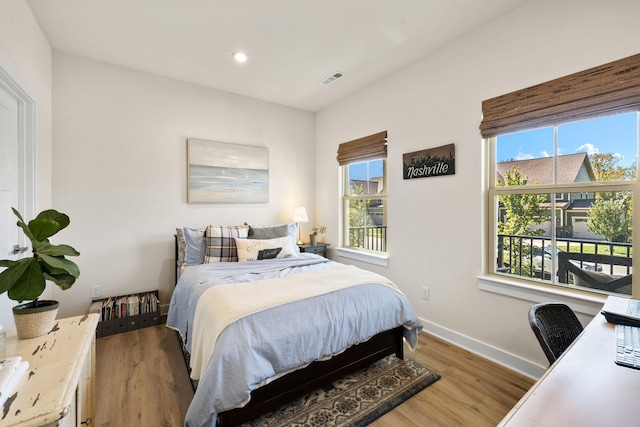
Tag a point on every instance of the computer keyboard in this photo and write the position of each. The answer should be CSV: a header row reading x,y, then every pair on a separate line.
x,y
634,308
628,346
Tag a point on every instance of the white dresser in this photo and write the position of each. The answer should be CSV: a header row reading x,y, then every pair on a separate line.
x,y
58,389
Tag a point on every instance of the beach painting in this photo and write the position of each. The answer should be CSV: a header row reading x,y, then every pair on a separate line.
x,y
220,172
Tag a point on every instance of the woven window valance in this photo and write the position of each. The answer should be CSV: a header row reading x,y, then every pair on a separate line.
x,y
359,150
608,89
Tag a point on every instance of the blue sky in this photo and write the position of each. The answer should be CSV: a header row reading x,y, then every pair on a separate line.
x,y
614,134
360,170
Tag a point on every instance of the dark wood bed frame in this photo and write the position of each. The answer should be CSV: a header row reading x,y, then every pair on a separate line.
x,y
269,397
297,383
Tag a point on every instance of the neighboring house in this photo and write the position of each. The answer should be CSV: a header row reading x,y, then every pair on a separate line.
x,y
572,209
373,186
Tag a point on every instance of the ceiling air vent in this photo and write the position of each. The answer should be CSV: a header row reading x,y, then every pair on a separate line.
x,y
331,78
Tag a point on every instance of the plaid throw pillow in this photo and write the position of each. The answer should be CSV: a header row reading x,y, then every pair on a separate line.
x,y
221,246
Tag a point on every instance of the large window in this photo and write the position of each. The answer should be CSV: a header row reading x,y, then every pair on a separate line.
x,y
562,180
364,193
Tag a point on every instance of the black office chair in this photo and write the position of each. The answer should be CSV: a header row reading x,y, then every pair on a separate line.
x,y
556,327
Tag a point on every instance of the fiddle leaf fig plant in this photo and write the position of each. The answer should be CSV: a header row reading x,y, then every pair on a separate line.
x,y
25,279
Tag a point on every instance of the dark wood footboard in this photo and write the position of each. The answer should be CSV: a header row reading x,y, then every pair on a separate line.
x,y
269,397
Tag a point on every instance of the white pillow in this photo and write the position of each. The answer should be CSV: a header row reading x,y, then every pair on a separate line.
x,y
273,231
255,249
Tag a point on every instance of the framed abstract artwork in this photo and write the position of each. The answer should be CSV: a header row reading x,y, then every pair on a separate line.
x,y
219,172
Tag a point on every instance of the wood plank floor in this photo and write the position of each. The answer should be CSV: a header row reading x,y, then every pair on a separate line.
x,y
141,380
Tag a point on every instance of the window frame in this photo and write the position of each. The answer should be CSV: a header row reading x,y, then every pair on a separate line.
x,y
367,148
493,191
603,90
346,198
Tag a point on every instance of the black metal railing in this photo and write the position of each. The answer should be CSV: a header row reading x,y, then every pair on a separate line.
x,y
525,255
369,237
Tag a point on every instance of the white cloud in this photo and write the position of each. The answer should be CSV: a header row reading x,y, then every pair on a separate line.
x,y
545,154
589,148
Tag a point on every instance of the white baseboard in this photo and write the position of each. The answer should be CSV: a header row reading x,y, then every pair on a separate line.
x,y
164,309
496,355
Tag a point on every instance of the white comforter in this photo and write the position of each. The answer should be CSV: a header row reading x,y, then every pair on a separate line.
x,y
269,341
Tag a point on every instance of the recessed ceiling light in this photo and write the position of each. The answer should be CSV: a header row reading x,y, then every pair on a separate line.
x,y
240,57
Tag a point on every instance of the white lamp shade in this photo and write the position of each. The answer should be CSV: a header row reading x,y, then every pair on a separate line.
x,y
300,215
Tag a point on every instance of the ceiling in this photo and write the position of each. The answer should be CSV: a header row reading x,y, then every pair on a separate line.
x,y
292,44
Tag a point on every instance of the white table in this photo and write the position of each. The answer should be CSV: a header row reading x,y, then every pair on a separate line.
x,y
58,387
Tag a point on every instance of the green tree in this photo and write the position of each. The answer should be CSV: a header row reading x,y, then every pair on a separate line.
x,y
358,216
606,168
522,211
607,217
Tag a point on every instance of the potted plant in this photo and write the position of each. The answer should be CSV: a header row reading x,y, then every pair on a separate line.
x,y
318,229
25,278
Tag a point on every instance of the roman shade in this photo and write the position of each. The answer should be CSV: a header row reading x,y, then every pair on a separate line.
x,y
612,88
370,147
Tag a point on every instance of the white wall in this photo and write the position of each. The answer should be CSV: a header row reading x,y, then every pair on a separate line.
x,y
119,170
436,224
24,47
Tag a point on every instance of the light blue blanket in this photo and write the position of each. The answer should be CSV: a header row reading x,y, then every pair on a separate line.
x,y
258,347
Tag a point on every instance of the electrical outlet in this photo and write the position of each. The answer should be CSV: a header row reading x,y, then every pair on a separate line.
x,y
425,293
95,292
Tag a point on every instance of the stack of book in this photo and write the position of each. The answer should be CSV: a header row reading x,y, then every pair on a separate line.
x,y
125,306
12,371
126,312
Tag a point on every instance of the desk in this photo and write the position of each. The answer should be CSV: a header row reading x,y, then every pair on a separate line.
x,y
584,387
59,387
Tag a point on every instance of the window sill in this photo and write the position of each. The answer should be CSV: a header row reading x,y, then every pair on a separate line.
x,y
582,302
368,257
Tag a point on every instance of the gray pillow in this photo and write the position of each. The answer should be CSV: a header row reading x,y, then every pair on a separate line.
x,y
196,246
274,231
182,247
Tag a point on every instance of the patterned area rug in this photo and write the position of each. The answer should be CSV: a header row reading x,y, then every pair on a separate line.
x,y
355,400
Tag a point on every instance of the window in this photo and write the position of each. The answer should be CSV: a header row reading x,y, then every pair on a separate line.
x,y
364,193
562,161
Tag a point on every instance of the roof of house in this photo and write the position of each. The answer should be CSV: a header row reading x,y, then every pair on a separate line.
x,y
539,170
372,186
580,204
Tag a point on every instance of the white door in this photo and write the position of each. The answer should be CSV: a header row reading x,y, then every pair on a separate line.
x,y
9,190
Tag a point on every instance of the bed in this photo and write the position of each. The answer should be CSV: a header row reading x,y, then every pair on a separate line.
x,y
265,328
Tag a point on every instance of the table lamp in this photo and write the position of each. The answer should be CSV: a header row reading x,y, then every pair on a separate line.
x,y
300,215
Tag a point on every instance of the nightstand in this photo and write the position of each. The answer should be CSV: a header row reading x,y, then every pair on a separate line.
x,y
318,248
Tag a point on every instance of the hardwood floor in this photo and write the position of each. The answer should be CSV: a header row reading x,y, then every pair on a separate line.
x,y
141,380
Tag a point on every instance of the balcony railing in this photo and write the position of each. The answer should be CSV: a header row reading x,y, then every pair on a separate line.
x,y
369,237
531,256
